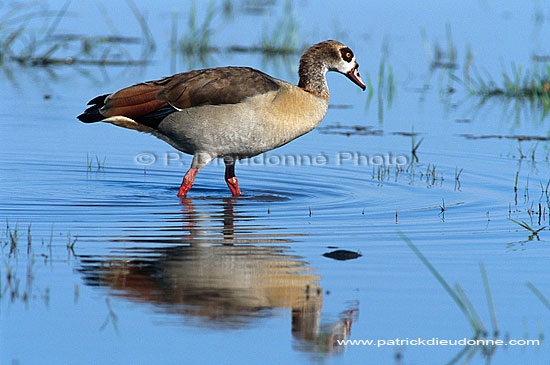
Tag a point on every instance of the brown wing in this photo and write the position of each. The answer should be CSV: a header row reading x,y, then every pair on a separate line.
x,y
215,86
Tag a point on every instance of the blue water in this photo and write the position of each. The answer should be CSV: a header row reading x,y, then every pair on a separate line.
x,y
152,278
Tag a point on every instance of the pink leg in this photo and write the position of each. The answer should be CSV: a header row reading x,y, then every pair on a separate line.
x,y
231,179
200,160
187,183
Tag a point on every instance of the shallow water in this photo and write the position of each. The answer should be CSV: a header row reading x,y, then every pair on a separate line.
x,y
209,278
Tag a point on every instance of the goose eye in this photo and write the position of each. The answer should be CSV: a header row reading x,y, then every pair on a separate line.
x,y
347,54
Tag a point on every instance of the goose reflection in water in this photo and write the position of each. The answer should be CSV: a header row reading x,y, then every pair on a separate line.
x,y
208,277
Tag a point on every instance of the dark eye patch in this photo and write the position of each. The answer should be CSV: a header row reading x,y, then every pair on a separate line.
x,y
347,54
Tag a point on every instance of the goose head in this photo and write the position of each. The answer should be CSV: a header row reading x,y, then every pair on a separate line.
x,y
323,57
344,62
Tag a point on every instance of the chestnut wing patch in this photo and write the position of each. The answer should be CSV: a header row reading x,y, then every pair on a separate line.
x,y
150,102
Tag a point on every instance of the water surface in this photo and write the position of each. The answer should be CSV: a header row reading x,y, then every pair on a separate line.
x,y
211,278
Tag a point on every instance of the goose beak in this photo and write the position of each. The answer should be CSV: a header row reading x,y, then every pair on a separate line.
x,y
354,76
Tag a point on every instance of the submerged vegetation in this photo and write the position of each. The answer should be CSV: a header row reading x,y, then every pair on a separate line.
x,y
463,302
415,145
531,85
518,84
30,35
27,39
544,300
444,57
21,265
197,38
196,41
534,232
386,86
283,38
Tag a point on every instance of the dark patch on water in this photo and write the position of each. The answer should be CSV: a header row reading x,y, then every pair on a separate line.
x,y
342,255
518,138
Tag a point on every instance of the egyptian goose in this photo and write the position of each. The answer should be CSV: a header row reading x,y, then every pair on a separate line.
x,y
228,112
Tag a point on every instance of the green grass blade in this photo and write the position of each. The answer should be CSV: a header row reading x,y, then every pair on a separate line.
x,y
489,296
473,317
442,281
538,293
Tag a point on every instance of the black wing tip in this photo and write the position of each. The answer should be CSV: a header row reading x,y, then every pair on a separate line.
x,y
89,118
98,100
91,115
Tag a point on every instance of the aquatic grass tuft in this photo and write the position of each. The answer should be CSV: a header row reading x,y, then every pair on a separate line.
x,y
71,242
456,294
386,87
283,38
20,287
415,145
458,185
466,306
489,296
444,57
370,89
532,85
523,224
29,240
100,163
457,174
539,294
146,31
517,83
88,161
110,318
29,36
12,238
197,38
471,309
